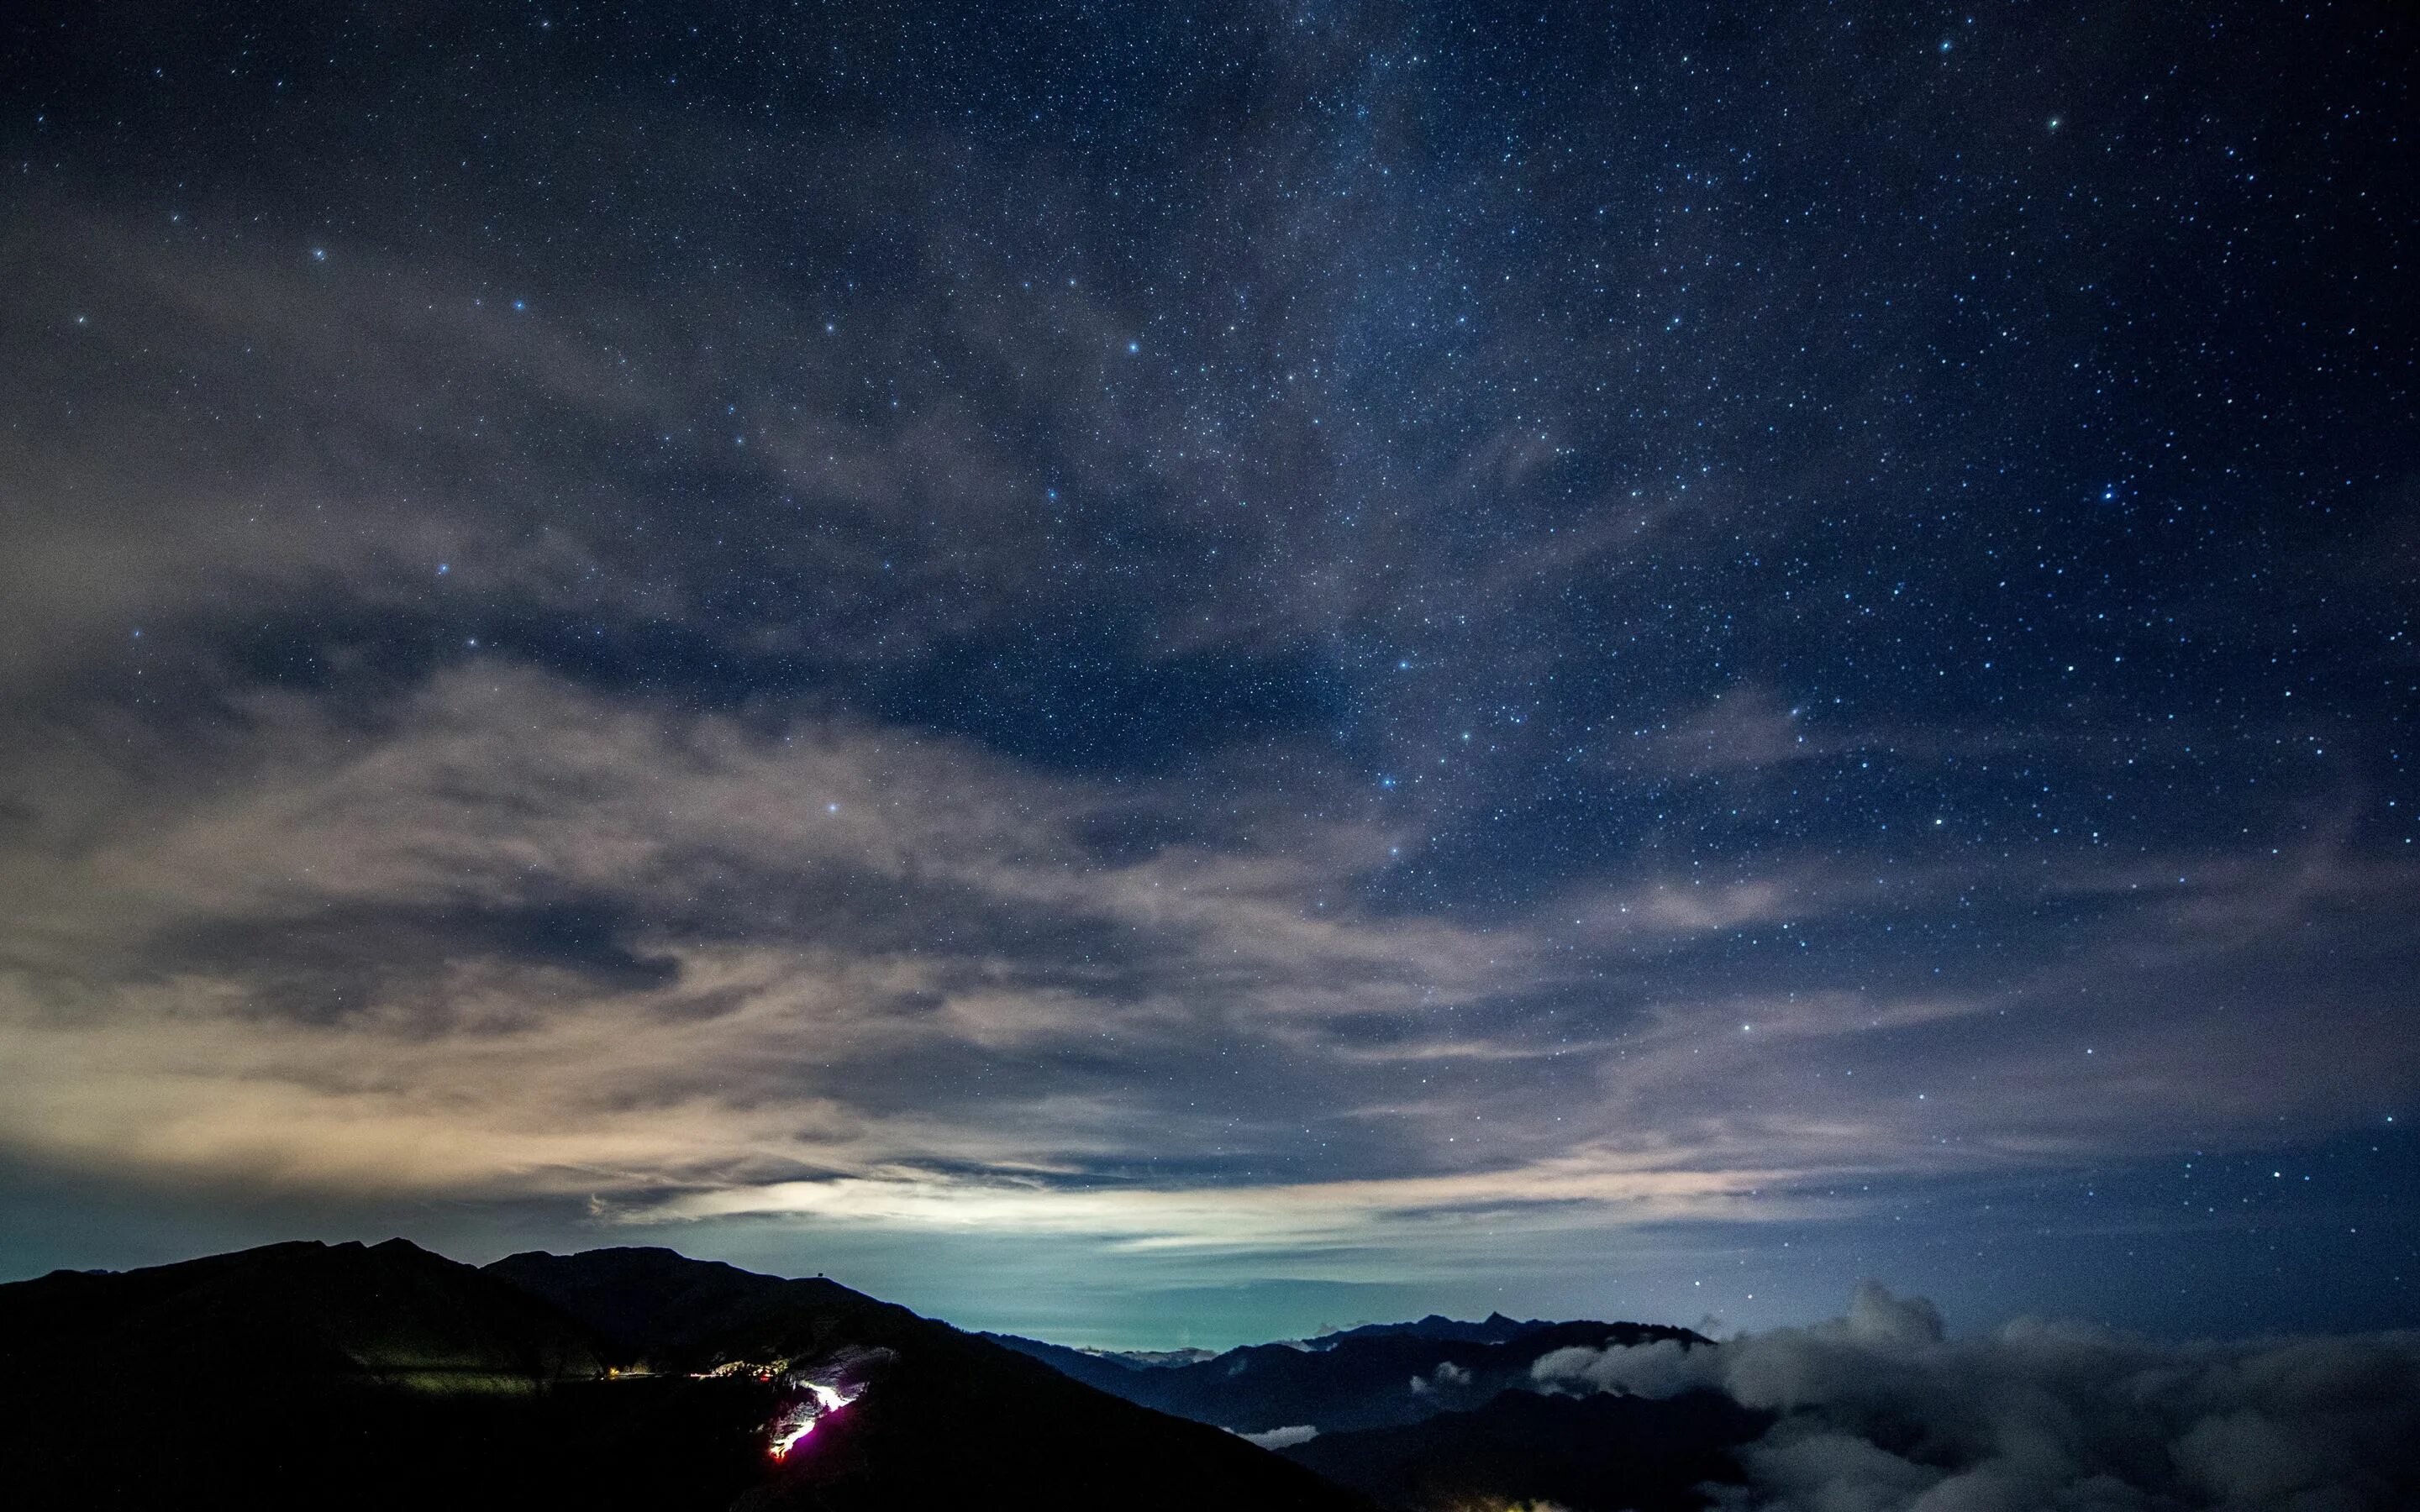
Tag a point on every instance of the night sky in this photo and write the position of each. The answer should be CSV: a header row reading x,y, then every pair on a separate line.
x,y
1164,675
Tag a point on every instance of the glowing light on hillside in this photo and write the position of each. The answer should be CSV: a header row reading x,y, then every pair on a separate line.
x,y
800,1418
784,1440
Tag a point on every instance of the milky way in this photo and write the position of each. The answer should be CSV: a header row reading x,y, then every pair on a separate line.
x,y
1168,676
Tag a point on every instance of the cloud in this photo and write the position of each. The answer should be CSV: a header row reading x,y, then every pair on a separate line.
x,y
1446,1376
507,936
1883,1412
520,937
1284,1438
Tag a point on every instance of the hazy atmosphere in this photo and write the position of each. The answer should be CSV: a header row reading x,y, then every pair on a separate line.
x,y
1165,675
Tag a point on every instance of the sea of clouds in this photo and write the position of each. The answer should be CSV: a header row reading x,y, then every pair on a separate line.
x,y
1883,1412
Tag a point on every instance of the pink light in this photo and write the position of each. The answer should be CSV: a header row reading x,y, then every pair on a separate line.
x,y
780,1448
800,1418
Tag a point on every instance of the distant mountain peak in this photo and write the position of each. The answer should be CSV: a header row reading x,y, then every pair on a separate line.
x,y
1495,1329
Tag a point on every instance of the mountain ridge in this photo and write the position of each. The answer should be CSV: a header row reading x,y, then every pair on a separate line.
x,y
389,1376
1597,1453
1383,1376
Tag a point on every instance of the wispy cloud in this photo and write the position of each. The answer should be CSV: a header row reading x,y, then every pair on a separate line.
x,y
947,682
518,938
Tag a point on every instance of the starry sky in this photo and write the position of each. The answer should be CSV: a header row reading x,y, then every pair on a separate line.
x,y
1164,674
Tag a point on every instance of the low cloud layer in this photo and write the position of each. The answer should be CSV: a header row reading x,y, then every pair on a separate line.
x,y
1881,1412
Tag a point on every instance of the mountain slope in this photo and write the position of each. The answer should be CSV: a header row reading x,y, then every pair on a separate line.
x,y
312,1375
1587,1454
1367,1378
369,1313
1103,1372
661,1307
296,1374
943,1418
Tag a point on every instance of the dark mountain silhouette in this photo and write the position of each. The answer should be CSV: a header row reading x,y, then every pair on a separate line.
x,y
1587,1454
947,1419
1494,1329
1364,1378
310,1374
1087,1365
365,1314
661,1309
389,1377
